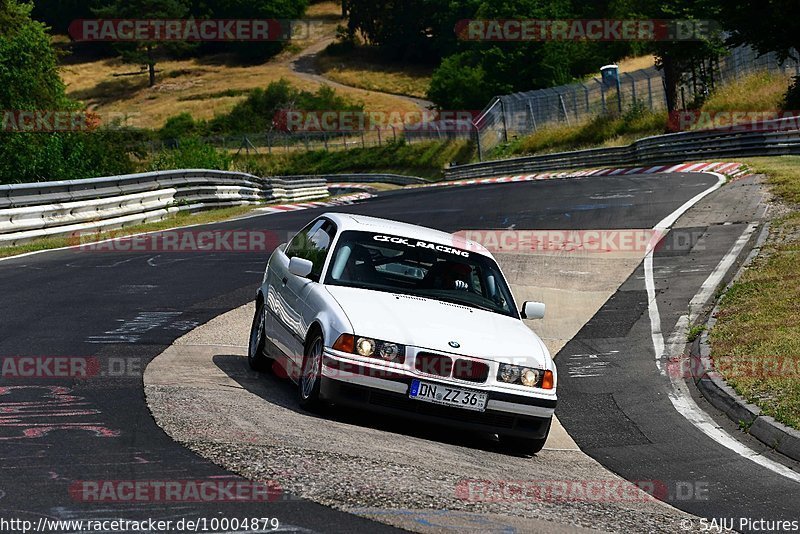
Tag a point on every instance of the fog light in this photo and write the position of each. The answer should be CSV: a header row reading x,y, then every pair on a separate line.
x,y
529,378
365,346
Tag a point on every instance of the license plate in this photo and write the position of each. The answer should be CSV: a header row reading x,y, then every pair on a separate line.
x,y
448,396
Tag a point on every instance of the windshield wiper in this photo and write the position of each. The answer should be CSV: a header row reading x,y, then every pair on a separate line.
x,y
467,304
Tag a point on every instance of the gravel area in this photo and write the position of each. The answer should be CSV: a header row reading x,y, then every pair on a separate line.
x,y
401,473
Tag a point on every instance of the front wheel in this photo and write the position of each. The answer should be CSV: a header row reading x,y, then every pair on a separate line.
x,y
525,446
311,375
256,353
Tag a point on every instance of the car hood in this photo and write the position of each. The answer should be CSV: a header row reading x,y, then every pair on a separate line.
x,y
433,324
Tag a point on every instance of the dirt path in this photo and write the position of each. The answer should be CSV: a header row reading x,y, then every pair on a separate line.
x,y
303,64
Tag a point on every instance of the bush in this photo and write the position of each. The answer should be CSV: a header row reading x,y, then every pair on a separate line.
x,y
180,126
38,157
458,84
191,153
258,111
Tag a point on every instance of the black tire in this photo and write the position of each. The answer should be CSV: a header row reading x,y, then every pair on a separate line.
x,y
311,375
256,352
525,446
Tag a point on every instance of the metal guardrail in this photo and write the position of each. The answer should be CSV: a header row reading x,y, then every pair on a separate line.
x,y
775,138
49,209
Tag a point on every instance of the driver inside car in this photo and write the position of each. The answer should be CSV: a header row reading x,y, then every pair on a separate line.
x,y
449,275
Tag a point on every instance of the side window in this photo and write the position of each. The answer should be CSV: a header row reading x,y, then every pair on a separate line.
x,y
313,244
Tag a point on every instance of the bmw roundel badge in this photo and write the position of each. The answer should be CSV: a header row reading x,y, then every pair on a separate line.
x,y
454,344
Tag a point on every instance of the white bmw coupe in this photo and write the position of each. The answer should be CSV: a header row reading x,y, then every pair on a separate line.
x,y
405,320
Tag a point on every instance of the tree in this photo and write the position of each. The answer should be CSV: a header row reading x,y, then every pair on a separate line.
x,y
678,56
29,78
29,81
767,25
255,9
58,14
146,52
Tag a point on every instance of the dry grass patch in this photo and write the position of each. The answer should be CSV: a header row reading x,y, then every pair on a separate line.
x,y
761,91
193,86
362,69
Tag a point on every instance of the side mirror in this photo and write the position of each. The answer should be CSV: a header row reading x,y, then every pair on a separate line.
x,y
300,267
533,310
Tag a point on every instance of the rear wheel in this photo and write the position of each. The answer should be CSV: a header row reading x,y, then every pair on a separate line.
x,y
256,353
311,375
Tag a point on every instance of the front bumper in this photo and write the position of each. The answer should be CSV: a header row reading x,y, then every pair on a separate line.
x,y
379,389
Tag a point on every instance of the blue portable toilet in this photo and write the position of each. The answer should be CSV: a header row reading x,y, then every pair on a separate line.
x,y
610,75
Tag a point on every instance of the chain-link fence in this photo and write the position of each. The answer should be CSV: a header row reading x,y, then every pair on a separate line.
x,y
519,114
277,142
523,113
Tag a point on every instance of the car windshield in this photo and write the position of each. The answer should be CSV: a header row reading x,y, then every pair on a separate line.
x,y
413,267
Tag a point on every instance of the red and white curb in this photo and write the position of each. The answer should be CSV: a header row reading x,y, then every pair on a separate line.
x,y
733,170
342,201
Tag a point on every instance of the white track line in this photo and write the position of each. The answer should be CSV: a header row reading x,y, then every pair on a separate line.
x,y
680,396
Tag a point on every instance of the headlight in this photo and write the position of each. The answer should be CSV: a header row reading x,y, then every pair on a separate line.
x,y
389,351
529,377
526,376
371,348
365,346
508,373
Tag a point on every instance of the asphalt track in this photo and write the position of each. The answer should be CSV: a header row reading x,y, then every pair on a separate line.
x,y
130,306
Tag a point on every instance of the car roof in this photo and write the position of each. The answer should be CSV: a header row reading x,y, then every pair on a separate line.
x,y
349,221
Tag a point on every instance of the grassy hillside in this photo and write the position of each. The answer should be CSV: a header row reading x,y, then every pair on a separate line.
x,y
208,86
419,159
756,92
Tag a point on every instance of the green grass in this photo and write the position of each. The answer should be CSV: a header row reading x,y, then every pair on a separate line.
x,y
758,325
783,173
694,332
174,221
762,91
424,159
604,130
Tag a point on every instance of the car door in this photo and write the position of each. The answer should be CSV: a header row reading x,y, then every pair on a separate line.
x,y
289,319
